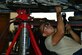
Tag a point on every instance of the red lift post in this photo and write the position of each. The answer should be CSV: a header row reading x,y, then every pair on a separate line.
x,y
22,14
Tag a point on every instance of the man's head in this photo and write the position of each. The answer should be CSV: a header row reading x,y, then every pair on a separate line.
x,y
46,29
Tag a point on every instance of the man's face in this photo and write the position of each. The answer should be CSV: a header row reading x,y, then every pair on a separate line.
x,y
47,29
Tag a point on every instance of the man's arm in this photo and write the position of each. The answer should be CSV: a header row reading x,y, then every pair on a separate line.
x,y
73,34
60,27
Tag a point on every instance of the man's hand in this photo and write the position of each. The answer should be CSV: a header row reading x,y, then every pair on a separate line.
x,y
58,8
